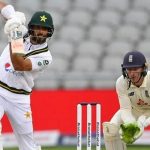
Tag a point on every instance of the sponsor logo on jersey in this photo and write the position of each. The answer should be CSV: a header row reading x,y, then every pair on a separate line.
x,y
10,70
141,102
131,94
7,67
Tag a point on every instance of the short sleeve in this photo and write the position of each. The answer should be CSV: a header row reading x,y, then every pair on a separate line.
x,y
40,62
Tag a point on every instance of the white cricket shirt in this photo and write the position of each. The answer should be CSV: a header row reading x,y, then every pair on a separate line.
x,y
134,98
17,85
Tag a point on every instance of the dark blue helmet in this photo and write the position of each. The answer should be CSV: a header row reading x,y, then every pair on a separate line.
x,y
134,59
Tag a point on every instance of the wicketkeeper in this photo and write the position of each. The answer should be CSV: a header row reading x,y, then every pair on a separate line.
x,y
23,59
133,89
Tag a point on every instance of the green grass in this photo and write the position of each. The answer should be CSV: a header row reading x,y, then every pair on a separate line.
x,y
74,148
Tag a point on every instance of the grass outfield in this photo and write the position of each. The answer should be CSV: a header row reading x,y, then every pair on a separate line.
x,y
74,148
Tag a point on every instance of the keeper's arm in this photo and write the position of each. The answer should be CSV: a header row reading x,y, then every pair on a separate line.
x,y
19,62
124,101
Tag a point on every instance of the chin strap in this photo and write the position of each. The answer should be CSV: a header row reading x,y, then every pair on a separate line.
x,y
129,80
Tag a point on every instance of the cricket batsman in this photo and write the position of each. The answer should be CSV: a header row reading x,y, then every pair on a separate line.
x,y
133,89
22,60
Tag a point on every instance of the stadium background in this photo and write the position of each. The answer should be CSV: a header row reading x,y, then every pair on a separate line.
x,y
90,39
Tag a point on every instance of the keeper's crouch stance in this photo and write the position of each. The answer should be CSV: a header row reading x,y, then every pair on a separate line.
x,y
133,89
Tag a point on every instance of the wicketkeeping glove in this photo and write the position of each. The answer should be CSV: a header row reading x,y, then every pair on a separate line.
x,y
130,132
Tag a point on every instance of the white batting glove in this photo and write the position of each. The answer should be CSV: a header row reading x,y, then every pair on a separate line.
x,y
11,25
15,22
23,29
8,12
21,16
18,18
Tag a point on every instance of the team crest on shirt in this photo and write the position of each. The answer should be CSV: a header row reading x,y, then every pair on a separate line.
x,y
9,69
39,63
131,94
43,63
141,102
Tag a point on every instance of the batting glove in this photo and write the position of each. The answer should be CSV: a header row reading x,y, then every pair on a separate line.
x,y
23,29
21,16
14,18
11,25
8,12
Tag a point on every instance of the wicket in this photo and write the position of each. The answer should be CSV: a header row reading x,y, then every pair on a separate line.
x,y
89,125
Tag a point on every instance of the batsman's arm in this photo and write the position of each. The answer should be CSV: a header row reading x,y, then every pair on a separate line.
x,y
2,4
19,62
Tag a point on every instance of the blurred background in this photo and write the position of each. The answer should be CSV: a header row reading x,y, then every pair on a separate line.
x,y
88,45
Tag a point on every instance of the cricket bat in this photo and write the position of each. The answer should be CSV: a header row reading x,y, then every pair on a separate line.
x,y
16,39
